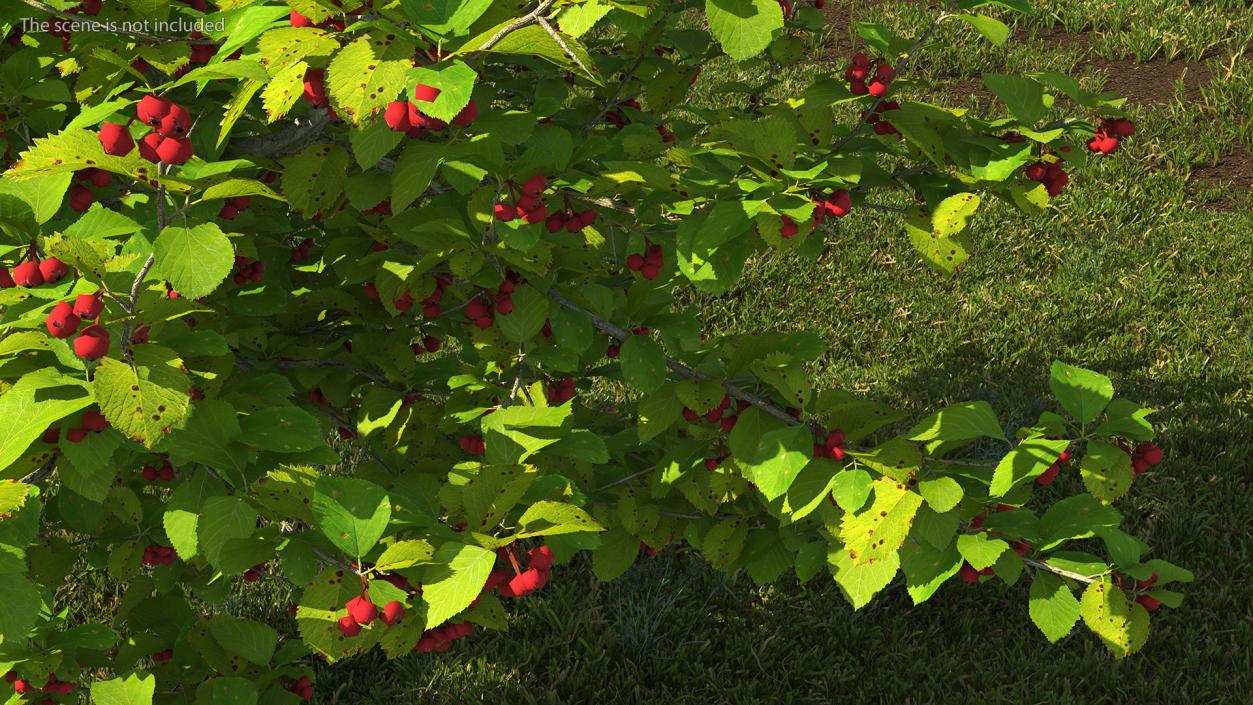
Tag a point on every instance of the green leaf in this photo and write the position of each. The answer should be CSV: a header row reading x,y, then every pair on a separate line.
x,y
1106,611
576,20
643,363
194,260
979,550
281,429
1023,96
19,610
942,493
616,553
405,554
993,30
1025,462
776,459
455,81
1128,419
226,691
128,690
943,253
415,168
744,28
959,422
1075,518
546,518
879,531
145,401
530,310
453,580
862,581
951,215
851,488
13,496
314,179
182,513
1053,606
253,641
368,74
351,512
223,520
1084,394
209,438
444,16
1106,471
927,567
283,47
534,40
658,412
36,402
724,543
493,493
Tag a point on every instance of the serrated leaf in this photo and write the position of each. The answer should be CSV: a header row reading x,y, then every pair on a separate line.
x,y
455,81
351,512
455,577
368,74
1106,471
314,179
860,582
877,532
148,400
194,260
927,567
1053,607
643,363
743,28
1084,394
1027,460
547,518
30,406
1106,611
281,429
951,215
942,493
222,521
134,689
979,550
959,422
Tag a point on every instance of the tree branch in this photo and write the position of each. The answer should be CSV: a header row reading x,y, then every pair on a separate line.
x,y
562,43
1040,565
514,26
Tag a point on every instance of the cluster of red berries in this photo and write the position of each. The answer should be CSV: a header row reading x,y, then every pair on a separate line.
x,y
430,305
300,252
835,205
301,687
29,275
617,118
234,207
473,444
81,197
1148,602
247,271
788,227
163,656
167,143
648,264
1051,174
865,77
254,573
1048,476
315,92
92,422
560,391
63,321
718,414
514,581
429,343
1109,133
383,207
162,473
881,126
407,116
156,554
441,639
1145,456
362,612
570,221
666,135
524,202
53,686
832,446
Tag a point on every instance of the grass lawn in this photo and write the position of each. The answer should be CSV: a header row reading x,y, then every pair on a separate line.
x,y
1142,273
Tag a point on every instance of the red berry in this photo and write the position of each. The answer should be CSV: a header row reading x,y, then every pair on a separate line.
x,y
397,116
1048,476
61,322
94,421
968,573
1149,603
348,627
176,122
53,270
115,139
361,609
152,109
425,94
393,612
92,343
6,279
1146,584
175,150
1149,452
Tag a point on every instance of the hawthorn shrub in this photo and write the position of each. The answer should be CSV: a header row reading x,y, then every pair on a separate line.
x,y
379,303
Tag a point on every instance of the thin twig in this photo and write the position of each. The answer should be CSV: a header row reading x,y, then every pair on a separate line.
x,y
613,99
564,47
517,24
1040,565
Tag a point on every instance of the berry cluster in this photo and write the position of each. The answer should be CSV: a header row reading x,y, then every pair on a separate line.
x,y
362,612
1109,133
430,305
569,220
156,554
666,135
718,414
247,271
81,197
524,202
835,205
1048,476
92,422
560,391
168,142
429,343
882,126
865,77
300,252
65,318
162,473
515,582
1049,173
31,274
407,116
441,639
648,264
163,656
1145,456
53,686
301,687
234,207
832,446
1148,602
617,118
473,444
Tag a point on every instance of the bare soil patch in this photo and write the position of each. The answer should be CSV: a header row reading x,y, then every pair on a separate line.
x,y
1233,172
1152,82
